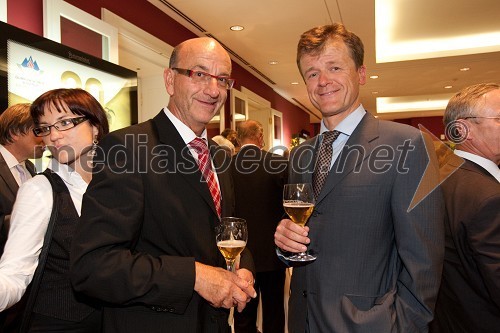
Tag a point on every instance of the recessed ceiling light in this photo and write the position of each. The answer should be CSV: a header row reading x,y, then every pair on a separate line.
x,y
374,92
294,83
273,62
465,69
448,87
374,77
237,28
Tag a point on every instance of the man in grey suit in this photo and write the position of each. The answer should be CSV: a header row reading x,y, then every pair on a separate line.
x,y
469,297
379,244
17,145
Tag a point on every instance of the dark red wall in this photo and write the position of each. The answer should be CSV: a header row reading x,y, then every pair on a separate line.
x,y
28,15
433,124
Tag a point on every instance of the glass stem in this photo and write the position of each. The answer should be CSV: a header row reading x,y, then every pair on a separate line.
x,y
230,265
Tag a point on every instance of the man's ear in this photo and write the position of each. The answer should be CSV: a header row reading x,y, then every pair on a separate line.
x,y
168,79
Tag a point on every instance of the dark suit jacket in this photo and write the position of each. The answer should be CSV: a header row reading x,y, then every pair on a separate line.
x,y
146,218
259,177
469,297
379,263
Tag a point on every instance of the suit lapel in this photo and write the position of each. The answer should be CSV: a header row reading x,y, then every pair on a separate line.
x,y
7,176
184,162
302,161
30,167
358,147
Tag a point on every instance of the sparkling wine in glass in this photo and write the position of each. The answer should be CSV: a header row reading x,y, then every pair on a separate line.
x,y
231,237
298,201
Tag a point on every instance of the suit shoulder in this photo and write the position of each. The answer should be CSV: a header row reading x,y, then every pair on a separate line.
x,y
395,129
146,128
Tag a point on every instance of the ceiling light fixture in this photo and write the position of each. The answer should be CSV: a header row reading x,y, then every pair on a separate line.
x,y
294,83
465,69
237,27
273,62
448,87
374,77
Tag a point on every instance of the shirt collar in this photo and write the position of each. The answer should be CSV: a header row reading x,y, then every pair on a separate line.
x,y
349,124
8,157
487,164
185,132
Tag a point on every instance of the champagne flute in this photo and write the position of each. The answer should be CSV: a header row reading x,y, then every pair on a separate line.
x,y
231,236
298,201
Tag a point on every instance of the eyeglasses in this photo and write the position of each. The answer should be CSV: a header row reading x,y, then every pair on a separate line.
x,y
202,77
61,125
474,117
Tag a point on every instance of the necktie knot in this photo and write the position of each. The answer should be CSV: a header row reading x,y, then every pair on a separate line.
x,y
199,145
329,137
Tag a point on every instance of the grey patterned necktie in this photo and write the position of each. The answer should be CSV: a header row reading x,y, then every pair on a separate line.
x,y
323,161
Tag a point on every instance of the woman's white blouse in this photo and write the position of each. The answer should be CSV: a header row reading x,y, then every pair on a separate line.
x,y
28,224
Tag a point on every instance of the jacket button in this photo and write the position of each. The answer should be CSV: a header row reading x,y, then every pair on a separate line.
x,y
304,293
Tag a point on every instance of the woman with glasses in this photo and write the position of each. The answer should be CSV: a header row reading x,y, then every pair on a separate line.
x,y
71,122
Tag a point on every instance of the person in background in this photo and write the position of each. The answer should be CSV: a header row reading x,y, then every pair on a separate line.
x,y
70,122
224,143
232,136
17,145
145,244
469,296
379,252
259,177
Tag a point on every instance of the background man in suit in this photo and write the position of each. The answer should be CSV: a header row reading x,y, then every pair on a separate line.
x,y
379,255
259,177
17,145
145,243
469,297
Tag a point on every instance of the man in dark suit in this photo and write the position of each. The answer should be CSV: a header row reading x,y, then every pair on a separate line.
x,y
145,244
17,145
377,224
469,296
259,177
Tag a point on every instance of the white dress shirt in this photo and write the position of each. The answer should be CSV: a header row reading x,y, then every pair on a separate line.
x,y
12,162
28,224
188,135
487,164
345,127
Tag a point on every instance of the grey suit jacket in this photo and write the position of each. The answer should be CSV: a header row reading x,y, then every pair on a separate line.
x,y
379,264
469,297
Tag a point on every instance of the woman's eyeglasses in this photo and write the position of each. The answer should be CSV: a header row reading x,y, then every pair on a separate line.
x,y
61,125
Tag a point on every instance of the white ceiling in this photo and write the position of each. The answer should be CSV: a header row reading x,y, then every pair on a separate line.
x,y
471,29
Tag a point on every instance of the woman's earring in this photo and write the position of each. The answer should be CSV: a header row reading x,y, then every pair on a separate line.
x,y
94,147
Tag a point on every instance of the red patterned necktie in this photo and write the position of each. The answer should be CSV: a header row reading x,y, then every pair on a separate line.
x,y
324,160
205,165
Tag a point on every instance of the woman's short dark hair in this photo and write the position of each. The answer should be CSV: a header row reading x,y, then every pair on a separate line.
x,y
78,101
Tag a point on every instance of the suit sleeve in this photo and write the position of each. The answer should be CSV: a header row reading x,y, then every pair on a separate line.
x,y
418,215
104,263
